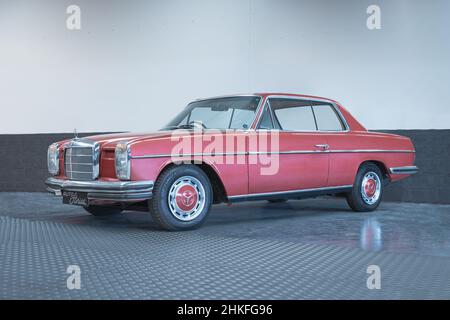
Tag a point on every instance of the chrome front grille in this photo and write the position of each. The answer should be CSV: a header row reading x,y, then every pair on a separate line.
x,y
81,160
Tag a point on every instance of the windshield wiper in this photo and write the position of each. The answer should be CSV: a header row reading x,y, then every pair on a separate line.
x,y
181,126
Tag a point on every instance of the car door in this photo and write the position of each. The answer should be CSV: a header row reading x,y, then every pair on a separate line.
x,y
343,165
291,152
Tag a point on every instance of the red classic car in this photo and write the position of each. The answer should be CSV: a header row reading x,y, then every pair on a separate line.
x,y
271,147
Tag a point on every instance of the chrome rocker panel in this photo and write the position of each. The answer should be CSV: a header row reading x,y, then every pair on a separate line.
x,y
117,191
291,194
404,170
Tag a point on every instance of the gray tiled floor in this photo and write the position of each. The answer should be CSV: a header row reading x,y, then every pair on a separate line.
x,y
309,249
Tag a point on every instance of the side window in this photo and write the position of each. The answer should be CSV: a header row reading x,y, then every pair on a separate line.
x,y
327,119
266,119
296,118
242,119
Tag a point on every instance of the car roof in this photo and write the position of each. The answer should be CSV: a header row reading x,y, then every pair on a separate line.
x,y
269,94
293,95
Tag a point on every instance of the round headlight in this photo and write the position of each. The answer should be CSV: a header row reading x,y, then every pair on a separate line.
x,y
53,159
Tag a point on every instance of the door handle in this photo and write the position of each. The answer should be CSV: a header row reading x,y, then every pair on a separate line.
x,y
322,146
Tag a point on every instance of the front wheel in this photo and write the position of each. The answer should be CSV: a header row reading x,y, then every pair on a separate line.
x,y
182,198
367,190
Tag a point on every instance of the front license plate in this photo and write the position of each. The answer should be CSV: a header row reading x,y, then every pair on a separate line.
x,y
75,198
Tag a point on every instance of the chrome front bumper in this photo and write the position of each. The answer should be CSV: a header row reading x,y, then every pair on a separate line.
x,y
117,191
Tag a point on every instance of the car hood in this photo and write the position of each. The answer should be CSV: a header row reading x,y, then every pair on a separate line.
x,y
110,140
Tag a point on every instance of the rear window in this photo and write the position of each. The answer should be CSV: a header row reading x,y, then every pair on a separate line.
x,y
327,118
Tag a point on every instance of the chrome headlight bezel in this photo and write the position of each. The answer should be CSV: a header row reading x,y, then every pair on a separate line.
x,y
53,159
123,161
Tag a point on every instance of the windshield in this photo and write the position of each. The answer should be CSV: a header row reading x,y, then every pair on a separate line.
x,y
220,113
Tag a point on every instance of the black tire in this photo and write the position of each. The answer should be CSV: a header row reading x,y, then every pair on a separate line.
x,y
277,200
358,199
103,211
166,213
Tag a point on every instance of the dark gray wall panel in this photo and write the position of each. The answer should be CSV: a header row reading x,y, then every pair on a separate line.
x,y
23,165
430,185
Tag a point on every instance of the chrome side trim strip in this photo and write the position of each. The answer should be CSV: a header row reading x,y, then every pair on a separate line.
x,y
152,156
166,155
286,152
404,170
332,151
268,194
371,151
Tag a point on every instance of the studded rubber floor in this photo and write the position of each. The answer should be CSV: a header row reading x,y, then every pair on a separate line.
x,y
310,249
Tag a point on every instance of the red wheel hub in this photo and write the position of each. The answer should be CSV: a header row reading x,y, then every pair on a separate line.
x,y
370,187
187,198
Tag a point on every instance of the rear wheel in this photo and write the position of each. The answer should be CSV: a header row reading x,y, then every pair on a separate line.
x,y
102,211
182,198
367,190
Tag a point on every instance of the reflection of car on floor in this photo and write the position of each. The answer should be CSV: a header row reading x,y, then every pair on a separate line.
x,y
313,144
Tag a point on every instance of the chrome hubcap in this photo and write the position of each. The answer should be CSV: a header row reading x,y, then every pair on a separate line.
x,y
371,188
186,198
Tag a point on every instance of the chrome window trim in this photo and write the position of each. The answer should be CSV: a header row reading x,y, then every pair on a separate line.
x,y
266,194
272,114
257,112
266,105
332,104
258,108
342,118
226,96
254,125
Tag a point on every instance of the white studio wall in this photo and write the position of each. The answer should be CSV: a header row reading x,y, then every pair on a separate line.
x,y
134,64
